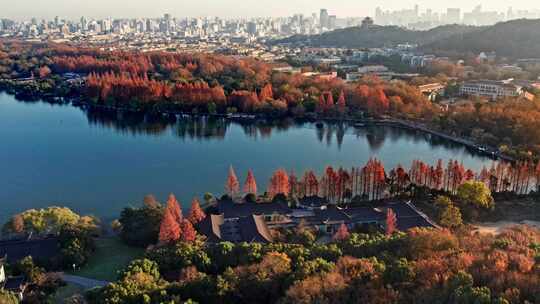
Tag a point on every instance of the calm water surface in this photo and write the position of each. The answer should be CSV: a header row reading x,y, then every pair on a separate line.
x,y
98,163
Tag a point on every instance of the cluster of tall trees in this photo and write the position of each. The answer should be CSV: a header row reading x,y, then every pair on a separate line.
x,y
373,182
520,178
195,80
124,88
174,226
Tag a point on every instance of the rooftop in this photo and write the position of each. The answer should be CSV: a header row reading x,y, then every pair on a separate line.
x,y
40,249
231,209
251,228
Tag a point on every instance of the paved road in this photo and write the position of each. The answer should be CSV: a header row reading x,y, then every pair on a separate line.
x,y
84,282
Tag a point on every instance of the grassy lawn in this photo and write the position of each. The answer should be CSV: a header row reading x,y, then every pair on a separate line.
x,y
111,255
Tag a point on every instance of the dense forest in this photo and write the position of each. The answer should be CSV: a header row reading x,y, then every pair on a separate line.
x,y
420,266
377,36
514,39
206,83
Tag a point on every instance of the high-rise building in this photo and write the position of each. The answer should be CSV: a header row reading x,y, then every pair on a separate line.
x,y
453,15
323,19
252,28
332,22
84,24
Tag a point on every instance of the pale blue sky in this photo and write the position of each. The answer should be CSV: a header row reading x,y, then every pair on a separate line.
x,y
25,9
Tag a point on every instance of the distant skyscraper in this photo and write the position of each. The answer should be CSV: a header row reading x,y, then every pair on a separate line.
x,y
252,28
453,15
323,22
84,24
332,22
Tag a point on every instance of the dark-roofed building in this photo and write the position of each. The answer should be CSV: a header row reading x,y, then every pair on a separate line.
x,y
231,209
42,249
252,221
275,214
312,202
409,217
251,228
16,285
330,218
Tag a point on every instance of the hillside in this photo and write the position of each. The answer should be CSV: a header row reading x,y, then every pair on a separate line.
x,y
516,39
378,36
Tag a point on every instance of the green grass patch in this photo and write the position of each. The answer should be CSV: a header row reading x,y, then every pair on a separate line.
x,y
111,255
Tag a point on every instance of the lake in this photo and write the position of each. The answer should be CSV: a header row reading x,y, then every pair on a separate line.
x,y
98,163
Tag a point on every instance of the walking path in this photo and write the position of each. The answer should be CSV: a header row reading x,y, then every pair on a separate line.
x,y
86,283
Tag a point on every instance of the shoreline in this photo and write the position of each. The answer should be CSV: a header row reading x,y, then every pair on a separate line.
x,y
357,122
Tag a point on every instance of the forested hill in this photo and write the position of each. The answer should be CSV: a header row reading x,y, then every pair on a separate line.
x,y
516,38
378,36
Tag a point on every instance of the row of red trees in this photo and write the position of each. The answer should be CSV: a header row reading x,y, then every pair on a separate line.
x,y
373,182
125,88
245,83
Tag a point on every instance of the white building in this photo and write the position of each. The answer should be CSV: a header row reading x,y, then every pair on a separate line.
x,y
491,89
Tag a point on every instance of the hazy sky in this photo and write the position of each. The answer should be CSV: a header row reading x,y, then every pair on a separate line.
x,y
71,9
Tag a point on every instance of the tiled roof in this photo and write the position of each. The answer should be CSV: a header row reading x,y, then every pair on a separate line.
x,y
230,209
365,214
39,249
250,228
15,284
331,214
313,201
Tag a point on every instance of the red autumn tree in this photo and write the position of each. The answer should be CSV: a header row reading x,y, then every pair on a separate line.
x,y
232,186
266,93
169,230
44,71
250,186
342,233
391,221
279,183
174,207
196,214
188,231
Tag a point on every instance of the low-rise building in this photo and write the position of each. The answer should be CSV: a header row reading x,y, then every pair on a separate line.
x,y
380,71
246,222
492,89
16,285
432,90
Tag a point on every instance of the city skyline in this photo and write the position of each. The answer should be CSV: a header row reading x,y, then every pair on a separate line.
x,y
26,9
